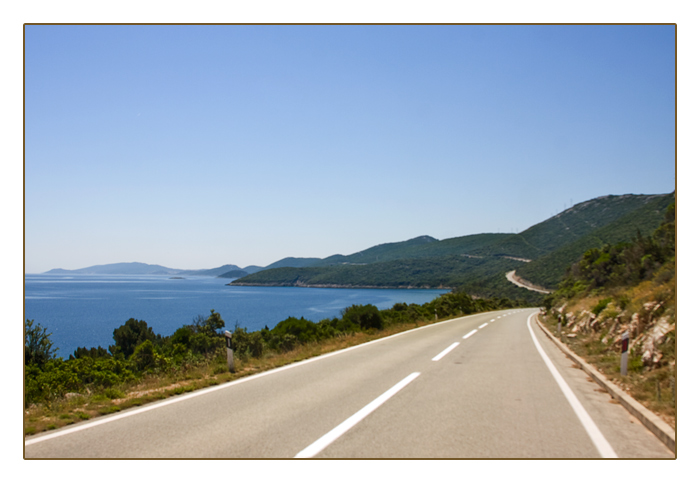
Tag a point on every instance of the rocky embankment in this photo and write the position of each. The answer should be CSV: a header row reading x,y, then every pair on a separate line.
x,y
648,330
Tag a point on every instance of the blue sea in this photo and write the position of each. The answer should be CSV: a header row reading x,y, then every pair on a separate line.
x,y
84,310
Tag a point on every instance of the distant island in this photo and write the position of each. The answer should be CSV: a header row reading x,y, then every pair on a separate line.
x,y
136,268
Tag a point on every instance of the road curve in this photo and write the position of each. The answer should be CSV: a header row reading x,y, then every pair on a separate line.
x,y
478,386
513,279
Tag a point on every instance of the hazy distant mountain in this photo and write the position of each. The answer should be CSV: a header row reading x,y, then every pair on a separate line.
x,y
252,268
211,272
233,274
134,268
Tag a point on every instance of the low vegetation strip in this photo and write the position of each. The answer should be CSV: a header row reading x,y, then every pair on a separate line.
x,y
143,367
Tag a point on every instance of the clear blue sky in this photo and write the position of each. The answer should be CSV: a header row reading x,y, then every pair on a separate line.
x,y
197,146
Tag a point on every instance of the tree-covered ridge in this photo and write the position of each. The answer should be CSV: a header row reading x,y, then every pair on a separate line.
x,y
624,264
138,352
570,225
420,247
549,269
293,262
479,262
447,272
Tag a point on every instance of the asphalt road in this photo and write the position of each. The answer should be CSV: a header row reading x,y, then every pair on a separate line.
x,y
426,393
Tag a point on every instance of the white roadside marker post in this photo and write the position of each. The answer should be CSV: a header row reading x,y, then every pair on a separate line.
x,y
229,350
559,327
623,358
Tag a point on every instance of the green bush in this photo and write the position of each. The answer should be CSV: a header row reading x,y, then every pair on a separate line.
x,y
38,348
94,352
113,393
364,316
601,305
303,330
130,335
144,356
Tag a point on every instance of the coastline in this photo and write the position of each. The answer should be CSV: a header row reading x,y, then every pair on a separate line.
x,y
333,285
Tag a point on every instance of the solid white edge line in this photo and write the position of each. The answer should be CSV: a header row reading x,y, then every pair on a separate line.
x,y
152,406
483,325
324,441
601,444
470,334
444,353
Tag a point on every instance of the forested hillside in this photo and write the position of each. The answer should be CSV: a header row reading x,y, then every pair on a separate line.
x,y
549,269
421,247
478,263
570,225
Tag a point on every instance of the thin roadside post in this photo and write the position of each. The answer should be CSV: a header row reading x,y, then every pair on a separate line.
x,y
229,350
623,357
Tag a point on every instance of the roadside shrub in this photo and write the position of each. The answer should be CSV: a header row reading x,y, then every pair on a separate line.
x,y
344,326
365,316
211,326
94,352
622,301
182,337
49,382
303,330
601,305
246,344
400,307
284,342
144,356
38,348
128,336
113,393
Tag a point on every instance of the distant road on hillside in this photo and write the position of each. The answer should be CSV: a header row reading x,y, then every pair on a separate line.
x,y
474,387
524,283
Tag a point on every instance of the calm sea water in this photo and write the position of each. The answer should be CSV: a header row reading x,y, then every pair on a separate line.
x,y
84,310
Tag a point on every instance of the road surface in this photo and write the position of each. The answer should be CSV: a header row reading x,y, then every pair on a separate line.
x,y
474,387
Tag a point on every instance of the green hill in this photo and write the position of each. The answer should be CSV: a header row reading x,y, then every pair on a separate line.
x,y
233,274
133,268
450,271
567,226
478,263
292,262
420,247
379,253
549,269
211,272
